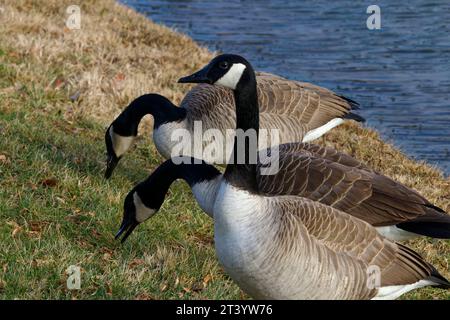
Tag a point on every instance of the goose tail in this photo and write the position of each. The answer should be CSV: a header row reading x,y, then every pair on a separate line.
x,y
410,272
354,116
438,280
435,223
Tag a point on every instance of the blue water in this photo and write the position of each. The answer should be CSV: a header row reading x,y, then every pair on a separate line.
x,y
400,74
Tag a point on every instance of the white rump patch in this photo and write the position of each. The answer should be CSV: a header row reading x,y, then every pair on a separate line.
x,y
396,234
232,77
120,143
320,131
393,292
142,211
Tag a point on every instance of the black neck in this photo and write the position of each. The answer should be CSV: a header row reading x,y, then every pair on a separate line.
x,y
154,189
159,107
240,173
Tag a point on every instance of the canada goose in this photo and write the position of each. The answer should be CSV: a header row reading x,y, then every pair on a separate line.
x,y
302,241
279,247
263,241
301,111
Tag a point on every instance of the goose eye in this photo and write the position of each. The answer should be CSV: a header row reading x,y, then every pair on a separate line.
x,y
223,65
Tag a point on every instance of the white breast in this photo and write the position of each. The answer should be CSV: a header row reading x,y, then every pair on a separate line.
x,y
271,257
172,137
205,193
193,140
240,234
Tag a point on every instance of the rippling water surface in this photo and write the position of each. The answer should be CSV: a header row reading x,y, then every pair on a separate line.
x,y
399,74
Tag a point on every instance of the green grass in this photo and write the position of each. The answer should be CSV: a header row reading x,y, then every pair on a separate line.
x,y
57,210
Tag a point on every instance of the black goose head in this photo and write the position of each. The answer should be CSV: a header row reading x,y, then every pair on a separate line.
x,y
122,132
236,73
145,200
227,70
137,208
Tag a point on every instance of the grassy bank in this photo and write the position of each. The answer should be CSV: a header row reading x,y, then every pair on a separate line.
x,y
59,88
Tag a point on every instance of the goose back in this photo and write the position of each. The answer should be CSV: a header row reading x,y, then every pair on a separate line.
x,y
338,180
292,107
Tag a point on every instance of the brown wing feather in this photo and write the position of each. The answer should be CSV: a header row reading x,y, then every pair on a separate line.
x,y
309,104
351,239
344,183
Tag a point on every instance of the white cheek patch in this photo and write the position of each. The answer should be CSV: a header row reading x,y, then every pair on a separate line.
x,y
120,143
142,212
232,77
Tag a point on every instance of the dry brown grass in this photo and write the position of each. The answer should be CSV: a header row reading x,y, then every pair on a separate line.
x,y
115,56
118,55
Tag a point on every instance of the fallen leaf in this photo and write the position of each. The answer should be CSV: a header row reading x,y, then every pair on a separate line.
x,y
16,231
109,290
106,250
3,158
144,296
163,286
60,200
59,82
206,279
37,226
50,182
84,244
119,77
136,262
95,234
187,290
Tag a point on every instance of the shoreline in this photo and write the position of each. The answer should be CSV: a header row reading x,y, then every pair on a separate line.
x,y
90,75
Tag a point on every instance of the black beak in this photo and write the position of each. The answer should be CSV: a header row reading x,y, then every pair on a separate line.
x,y
111,163
127,227
200,76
